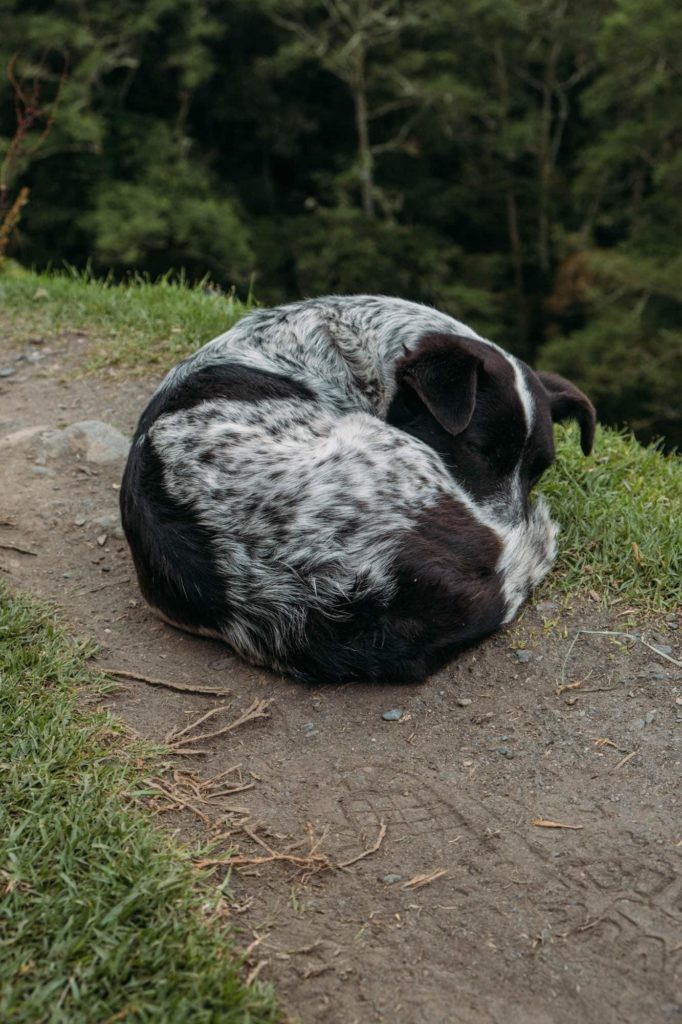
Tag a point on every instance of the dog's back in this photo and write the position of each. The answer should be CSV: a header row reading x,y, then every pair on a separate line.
x,y
267,501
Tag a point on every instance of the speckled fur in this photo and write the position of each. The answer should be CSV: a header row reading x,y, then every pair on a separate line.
x,y
307,502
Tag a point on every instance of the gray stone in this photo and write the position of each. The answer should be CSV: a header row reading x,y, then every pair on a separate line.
x,y
663,648
394,715
7,371
98,442
650,716
546,607
464,702
524,656
110,522
23,436
391,879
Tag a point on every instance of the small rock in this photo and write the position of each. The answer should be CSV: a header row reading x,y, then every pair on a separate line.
x,y
7,371
546,607
523,656
672,625
96,441
110,522
638,723
663,648
394,715
678,700
503,750
391,879
79,521
102,539
41,471
464,702
650,716
653,671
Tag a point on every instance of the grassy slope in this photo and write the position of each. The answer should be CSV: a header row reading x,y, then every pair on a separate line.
x,y
137,326
100,918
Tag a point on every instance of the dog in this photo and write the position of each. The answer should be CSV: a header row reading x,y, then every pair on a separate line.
x,y
340,488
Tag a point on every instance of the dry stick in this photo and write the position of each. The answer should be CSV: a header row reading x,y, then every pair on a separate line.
x,y
547,823
624,760
419,880
22,551
178,799
611,632
173,736
372,849
256,710
119,673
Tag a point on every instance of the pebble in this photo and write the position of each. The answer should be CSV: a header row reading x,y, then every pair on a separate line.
x,y
41,471
650,716
663,648
7,371
546,607
506,752
394,715
653,671
79,521
672,625
524,656
102,539
391,879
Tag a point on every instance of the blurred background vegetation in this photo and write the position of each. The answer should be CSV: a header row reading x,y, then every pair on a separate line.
x,y
517,163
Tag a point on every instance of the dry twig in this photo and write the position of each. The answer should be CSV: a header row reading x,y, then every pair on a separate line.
x,y
366,853
22,551
119,673
548,823
419,880
258,709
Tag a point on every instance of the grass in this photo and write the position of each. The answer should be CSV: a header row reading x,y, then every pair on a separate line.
x,y
619,509
101,919
620,512
137,325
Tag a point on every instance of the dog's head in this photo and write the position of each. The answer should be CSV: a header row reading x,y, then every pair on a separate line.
x,y
488,415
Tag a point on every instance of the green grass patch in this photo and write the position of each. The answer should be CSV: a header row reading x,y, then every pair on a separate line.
x,y
101,918
137,325
620,512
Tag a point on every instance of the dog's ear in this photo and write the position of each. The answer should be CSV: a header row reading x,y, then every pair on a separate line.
x,y
567,402
443,372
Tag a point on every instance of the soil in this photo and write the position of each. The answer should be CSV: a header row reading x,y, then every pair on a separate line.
x,y
504,920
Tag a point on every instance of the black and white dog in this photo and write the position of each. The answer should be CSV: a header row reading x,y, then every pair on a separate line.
x,y
339,488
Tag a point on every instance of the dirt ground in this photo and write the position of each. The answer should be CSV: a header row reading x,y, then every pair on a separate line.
x,y
468,910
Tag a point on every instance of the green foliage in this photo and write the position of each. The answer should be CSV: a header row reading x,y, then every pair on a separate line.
x,y
464,154
100,916
628,357
619,513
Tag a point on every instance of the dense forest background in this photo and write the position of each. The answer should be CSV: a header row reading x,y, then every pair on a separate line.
x,y
517,163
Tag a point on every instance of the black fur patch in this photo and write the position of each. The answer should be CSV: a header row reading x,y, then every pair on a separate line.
x,y
448,596
171,548
223,380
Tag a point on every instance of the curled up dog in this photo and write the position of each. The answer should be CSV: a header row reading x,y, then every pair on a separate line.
x,y
340,488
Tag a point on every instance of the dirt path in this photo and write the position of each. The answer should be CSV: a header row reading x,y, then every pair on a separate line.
x,y
519,924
